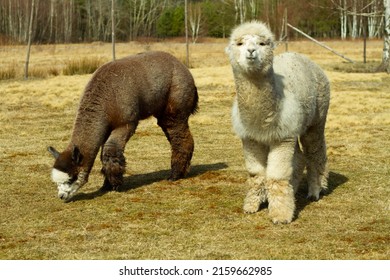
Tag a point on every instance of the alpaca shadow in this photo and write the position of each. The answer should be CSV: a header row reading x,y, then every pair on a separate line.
x,y
140,180
334,181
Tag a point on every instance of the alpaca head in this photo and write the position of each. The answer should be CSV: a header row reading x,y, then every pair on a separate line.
x,y
65,171
251,48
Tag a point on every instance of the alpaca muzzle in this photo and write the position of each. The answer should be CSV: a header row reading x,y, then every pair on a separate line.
x,y
67,191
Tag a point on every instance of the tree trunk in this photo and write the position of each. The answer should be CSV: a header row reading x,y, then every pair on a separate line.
x,y
385,65
194,18
239,7
253,7
343,19
113,28
354,31
186,30
51,28
29,39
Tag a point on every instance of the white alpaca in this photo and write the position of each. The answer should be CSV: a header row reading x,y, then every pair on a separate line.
x,y
280,106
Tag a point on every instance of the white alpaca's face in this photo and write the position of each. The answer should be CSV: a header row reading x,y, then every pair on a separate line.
x,y
251,52
65,184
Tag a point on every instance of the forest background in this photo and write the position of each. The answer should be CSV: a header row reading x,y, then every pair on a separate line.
x,y
76,21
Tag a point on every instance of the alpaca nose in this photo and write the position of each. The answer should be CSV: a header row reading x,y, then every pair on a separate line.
x,y
251,51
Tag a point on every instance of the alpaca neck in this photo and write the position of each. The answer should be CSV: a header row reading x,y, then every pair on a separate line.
x,y
89,134
257,97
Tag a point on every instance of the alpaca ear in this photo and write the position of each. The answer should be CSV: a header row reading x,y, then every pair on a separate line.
x,y
77,157
53,151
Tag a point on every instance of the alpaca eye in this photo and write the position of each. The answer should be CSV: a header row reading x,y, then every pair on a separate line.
x,y
262,44
239,44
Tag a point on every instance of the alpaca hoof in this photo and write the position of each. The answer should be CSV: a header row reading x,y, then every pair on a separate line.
x,y
252,204
251,208
284,222
116,188
108,187
281,216
174,177
313,197
314,194
253,200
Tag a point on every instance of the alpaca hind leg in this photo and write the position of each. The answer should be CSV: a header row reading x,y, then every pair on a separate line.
x,y
255,155
182,145
314,149
280,191
113,159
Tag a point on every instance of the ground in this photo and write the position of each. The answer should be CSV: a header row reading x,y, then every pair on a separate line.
x,y
199,217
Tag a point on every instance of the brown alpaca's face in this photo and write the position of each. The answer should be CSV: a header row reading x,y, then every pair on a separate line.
x,y
64,184
65,174
252,52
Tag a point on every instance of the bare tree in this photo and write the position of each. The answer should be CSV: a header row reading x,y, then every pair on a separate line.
x,y
29,39
253,8
68,11
240,8
51,20
385,65
354,31
113,28
374,18
137,16
186,30
352,13
343,18
194,18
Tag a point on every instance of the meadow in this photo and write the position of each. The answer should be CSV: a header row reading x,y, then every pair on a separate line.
x,y
199,217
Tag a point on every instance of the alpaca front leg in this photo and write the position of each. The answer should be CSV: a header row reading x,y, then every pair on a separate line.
x,y
113,159
255,155
280,191
256,195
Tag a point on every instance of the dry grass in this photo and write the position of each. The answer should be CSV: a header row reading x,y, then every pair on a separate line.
x,y
81,66
199,217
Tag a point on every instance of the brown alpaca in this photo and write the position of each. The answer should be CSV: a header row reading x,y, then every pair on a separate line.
x,y
118,96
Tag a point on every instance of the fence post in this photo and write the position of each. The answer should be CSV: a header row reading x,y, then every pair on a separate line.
x,y
319,43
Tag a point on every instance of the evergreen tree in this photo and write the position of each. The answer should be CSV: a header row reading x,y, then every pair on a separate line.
x,y
171,22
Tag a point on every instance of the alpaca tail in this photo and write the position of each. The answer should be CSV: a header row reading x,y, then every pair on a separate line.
x,y
195,107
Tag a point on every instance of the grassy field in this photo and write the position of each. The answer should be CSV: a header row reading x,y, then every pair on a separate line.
x,y
199,217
